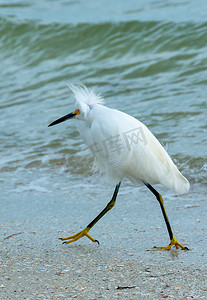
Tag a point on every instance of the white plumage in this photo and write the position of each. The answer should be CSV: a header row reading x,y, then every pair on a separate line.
x,y
123,146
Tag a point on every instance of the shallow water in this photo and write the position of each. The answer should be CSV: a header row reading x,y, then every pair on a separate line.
x,y
145,57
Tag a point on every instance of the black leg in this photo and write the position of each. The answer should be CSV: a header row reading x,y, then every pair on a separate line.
x,y
161,202
85,231
173,241
109,206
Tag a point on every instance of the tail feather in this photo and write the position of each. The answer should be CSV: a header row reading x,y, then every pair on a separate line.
x,y
177,182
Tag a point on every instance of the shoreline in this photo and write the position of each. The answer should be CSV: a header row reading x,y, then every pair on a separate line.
x,y
35,264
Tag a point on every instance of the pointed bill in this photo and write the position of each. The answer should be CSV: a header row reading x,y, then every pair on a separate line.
x,y
62,119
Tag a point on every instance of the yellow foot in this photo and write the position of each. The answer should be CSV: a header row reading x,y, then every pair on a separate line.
x,y
77,236
173,242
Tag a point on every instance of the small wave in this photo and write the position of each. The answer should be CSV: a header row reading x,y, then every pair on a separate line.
x,y
37,42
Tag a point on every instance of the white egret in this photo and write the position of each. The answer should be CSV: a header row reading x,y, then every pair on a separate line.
x,y
123,147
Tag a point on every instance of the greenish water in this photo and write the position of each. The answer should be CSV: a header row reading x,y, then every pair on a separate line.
x,y
147,58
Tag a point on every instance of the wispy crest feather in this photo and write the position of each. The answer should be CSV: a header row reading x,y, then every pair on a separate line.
x,y
85,96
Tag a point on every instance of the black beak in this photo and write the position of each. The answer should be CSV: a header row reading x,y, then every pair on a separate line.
x,y
69,116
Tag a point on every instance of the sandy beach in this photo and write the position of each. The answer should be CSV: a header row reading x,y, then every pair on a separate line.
x,y
85,272
35,265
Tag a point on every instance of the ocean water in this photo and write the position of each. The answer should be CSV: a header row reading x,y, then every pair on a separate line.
x,y
146,58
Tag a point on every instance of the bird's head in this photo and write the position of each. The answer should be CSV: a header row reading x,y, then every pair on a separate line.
x,y
85,100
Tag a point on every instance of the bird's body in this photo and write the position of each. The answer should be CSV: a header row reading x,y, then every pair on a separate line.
x,y
123,147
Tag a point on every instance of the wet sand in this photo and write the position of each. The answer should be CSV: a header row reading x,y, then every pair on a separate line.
x,y
35,265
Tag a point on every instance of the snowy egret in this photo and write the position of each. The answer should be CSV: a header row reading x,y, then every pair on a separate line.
x,y
123,147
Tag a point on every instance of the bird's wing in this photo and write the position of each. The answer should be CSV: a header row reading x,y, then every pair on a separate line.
x,y
157,164
125,147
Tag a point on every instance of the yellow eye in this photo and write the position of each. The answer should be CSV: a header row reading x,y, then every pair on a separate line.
x,y
77,111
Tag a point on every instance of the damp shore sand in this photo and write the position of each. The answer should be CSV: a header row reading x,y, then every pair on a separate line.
x,y
35,264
